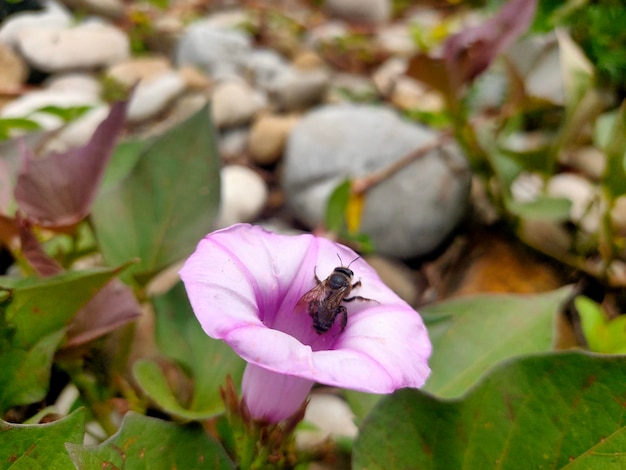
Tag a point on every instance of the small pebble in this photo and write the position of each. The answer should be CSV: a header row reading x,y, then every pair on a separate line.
x,y
13,70
235,103
331,416
268,136
361,11
152,96
133,70
293,89
586,208
85,46
244,195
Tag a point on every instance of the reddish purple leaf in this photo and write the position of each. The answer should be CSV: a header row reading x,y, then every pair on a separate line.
x,y
33,252
431,71
58,190
114,306
469,52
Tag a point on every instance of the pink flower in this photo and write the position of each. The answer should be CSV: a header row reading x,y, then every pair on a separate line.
x,y
244,282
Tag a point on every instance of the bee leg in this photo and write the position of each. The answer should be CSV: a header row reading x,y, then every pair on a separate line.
x,y
358,297
356,284
343,311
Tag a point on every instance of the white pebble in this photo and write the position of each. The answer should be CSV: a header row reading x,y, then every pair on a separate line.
x,y
244,194
152,96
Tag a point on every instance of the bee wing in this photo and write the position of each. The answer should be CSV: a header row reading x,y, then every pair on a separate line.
x,y
334,298
317,293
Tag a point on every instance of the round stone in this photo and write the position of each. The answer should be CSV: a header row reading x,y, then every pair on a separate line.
x,y
409,213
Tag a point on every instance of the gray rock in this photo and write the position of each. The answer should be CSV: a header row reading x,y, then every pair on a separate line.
x,y
220,52
408,214
368,11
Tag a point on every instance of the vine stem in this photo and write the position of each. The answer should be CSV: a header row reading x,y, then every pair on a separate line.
x,y
364,184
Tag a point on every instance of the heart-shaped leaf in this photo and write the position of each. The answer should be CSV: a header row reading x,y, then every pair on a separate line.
x,y
167,202
143,443
40,306
552,411
472,334
25,372
40,446
58,190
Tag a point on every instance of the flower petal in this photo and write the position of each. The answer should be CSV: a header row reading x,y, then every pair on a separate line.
x,y
271,396
244,283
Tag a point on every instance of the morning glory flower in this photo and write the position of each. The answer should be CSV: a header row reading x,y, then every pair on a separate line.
x,y
244,284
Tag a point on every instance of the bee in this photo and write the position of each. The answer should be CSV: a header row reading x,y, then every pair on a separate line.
x,y
323,302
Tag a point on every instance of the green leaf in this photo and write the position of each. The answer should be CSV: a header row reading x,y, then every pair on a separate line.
x,y
8,124
153,382
40,446
123,160
551,411
361,403
41,306
336,208
180,337
167,202
66,114
602,335
542,208
25,373
533,160
147,443
615,174
472,334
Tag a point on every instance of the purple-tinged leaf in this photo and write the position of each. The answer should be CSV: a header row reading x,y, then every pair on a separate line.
x,y
433,72
469,52
43,264
114,306
111,307
58,190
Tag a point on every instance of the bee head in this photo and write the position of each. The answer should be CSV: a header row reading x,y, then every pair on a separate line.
x,y
340,278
